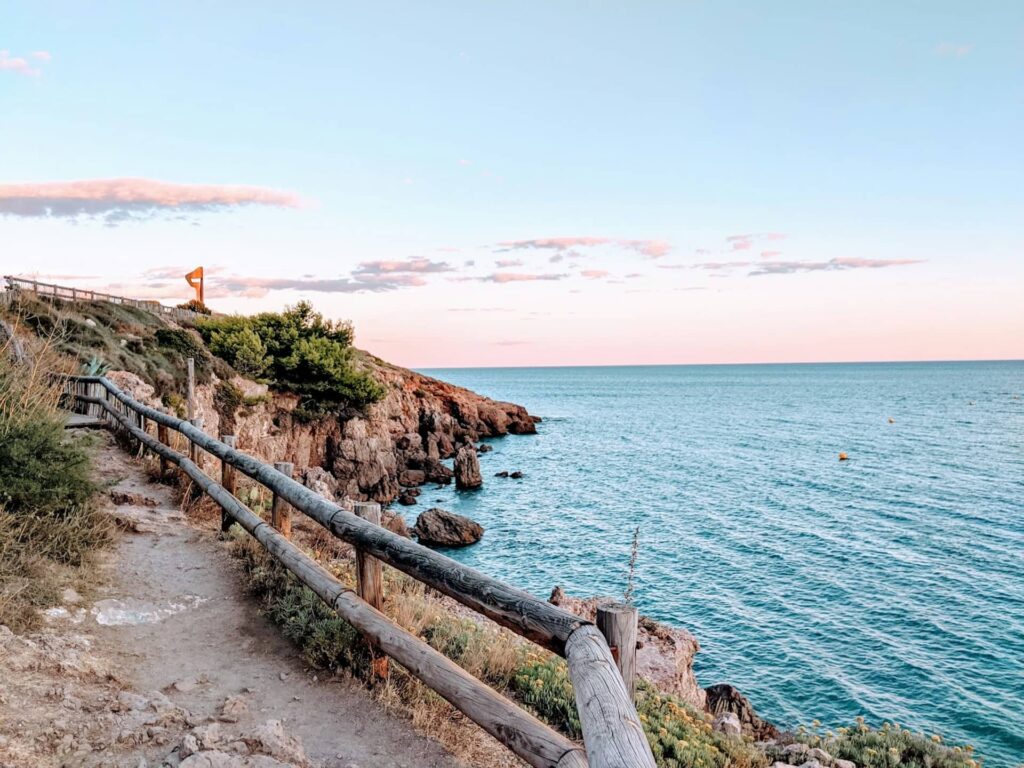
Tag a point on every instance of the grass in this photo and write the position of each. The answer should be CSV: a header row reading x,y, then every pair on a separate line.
x,y
50,529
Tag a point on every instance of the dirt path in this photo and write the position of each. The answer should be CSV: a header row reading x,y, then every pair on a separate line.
x,y
190,663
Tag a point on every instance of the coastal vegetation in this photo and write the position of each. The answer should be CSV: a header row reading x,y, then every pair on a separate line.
x,y
297,351
50,529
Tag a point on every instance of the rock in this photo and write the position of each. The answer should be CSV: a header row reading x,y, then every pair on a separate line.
x,y
121,498
819,754
501,474
272,740
811,764
412,477
664,654
725,698
321,482
780,764
517,475
90,322
467,469
484,448
189,746
70,597
395,524
844,764
233,708
130,702
185,686
406,499
727,723
439,473
797,751
440,528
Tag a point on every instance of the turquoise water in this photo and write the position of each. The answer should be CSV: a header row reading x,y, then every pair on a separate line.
x,y
890,585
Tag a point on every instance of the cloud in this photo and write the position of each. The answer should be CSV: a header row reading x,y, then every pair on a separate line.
x,y
710,265
20,65
417,265
652,249
41,55
117,200
832,265
504,263
744,242
594,274
770,254
518,277
956,50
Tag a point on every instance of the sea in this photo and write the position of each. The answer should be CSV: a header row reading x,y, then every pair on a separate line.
x,y
889,585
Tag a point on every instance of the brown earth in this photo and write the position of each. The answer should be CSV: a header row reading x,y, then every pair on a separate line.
x,y
168,663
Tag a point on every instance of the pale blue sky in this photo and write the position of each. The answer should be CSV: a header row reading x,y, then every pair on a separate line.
x,y
882,132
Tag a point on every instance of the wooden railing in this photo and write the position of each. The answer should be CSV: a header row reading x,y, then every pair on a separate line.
x,y
612,734
81,294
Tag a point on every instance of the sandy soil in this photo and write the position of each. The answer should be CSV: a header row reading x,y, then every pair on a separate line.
x,y
169,664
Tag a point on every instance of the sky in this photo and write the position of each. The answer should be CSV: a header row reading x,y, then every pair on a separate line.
x,y
551,183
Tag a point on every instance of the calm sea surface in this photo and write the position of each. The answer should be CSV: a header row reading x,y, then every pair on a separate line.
x,y
890,585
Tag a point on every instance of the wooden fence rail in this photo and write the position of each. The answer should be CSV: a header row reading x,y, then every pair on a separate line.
x,y
612,732
67,293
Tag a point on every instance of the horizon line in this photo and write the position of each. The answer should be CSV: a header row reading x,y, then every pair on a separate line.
x,y
719,365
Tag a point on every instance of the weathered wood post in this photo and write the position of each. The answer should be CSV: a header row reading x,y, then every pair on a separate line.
x,y
191,388
618,624
279,508
227,479
370,579
161,435
193,449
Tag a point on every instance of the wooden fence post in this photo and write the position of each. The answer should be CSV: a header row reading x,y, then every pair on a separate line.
x,y
191,388
370,580
618,624
161,435
227,479
279,508
193,449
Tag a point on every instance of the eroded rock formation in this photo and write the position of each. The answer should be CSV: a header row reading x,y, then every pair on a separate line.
x,y
438,527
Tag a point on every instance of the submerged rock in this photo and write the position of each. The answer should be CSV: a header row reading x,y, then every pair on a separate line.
x,y
467,468
441,528
407,499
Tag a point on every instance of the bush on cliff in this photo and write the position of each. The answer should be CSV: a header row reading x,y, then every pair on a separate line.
x,y
888,746
298,351
49,527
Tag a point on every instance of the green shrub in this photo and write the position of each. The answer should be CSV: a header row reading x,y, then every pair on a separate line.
x,y
49,527
195,305
241,348
543,685
681,737
888,746
296,351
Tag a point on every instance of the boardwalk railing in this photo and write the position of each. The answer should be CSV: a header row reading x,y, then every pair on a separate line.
x,y
50,290
612,733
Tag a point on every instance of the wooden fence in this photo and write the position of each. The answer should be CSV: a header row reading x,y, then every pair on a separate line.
x,y
612,733
50,290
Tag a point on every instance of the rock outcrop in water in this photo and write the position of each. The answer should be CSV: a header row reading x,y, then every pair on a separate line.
x,y
467,468
664,654
724,699
437,527
400,441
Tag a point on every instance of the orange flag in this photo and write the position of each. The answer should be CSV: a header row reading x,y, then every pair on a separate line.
x,y
195,279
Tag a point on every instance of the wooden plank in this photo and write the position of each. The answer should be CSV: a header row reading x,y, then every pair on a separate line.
x,y
617,622
611,728
191,388
523,734
533,618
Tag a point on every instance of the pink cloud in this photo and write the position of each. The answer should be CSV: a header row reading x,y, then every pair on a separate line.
x,y
956,50
504,263
832,265
420,265
770,254
653,249
743,242
17,64
594,274
519,277
41,55
117,200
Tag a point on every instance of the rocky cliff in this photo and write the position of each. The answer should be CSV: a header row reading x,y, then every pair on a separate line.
x,y
398,441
